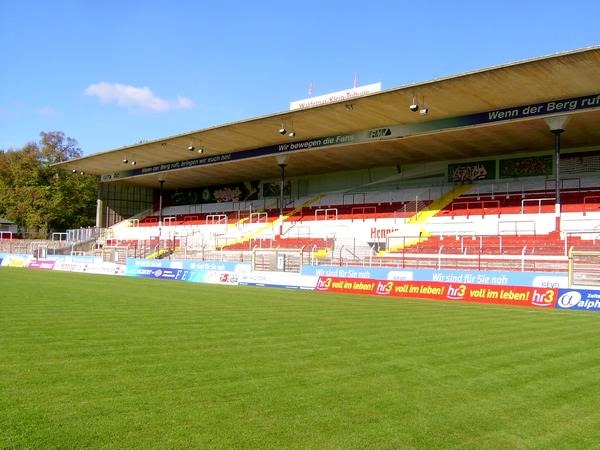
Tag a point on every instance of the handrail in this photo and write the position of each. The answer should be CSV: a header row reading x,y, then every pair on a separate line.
x,y
362,210
562,182
523,258
216,218
60,236
586,202
256,217
480,205
531,200
326,213
516,228
169,219
463,247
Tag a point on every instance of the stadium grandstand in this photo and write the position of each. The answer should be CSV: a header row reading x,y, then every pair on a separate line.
x,y
496,169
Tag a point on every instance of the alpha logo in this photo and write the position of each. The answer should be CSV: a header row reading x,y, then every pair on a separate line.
x,y
158,273
575,300
569,299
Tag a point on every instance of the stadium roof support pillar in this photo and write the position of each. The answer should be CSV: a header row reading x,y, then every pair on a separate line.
x,y
99,207
281,162
161,182
557,127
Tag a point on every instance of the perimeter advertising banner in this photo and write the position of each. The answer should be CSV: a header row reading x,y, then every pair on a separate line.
x,y
533,279
182,274
478,293
578,299
41,264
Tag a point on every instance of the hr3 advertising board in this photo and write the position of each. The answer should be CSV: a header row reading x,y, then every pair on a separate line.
x,y
478,293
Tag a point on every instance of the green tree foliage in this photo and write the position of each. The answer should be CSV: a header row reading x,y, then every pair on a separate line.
x,y
40,197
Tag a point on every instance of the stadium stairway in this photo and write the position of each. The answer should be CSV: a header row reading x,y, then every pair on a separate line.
x,y
422,217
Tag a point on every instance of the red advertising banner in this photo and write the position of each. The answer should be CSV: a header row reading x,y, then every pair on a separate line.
x,y
478,293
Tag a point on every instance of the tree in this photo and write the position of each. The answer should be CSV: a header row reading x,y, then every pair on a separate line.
x,y
38,196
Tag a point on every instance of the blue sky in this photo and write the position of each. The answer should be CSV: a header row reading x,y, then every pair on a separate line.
x,y
111,73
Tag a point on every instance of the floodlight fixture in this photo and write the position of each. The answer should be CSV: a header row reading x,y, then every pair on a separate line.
x,y
414,106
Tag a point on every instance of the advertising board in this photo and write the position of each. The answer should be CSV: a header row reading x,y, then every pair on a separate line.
x,y
578,299
492,294
41,264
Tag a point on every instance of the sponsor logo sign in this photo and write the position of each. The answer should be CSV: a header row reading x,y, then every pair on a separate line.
x,y
41,264
526,167
159,272
333,97
494,294
578,299
228,278
479,170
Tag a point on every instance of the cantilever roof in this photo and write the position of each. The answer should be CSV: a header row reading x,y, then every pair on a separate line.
x,y
471,115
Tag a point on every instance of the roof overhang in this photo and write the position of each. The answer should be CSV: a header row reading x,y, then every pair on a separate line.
x,y
455,128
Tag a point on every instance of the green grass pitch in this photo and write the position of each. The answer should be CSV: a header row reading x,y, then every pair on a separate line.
x,y
91,361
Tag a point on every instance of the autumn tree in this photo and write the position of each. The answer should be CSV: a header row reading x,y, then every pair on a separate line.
x,y
38,196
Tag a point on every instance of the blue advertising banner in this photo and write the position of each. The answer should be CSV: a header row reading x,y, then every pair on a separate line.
x,y
236,156
191,271
533,279
187,264
159,272
234,273
578,299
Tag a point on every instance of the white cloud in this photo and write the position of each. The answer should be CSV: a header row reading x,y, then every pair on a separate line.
x,y
137,98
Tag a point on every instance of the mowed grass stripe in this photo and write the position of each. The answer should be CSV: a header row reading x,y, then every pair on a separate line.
x,y
100,361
